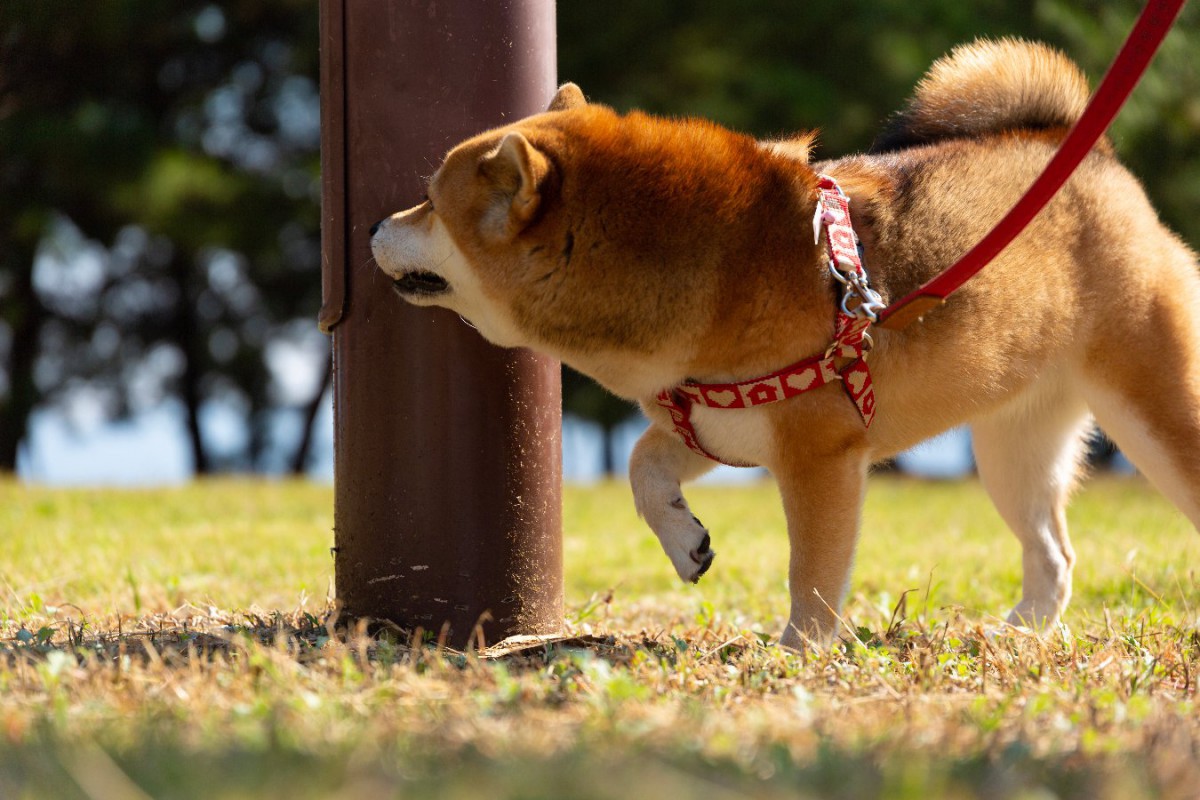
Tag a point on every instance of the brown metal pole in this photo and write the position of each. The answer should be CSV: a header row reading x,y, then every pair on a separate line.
x,y
447,450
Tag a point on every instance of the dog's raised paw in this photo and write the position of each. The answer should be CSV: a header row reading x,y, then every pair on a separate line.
x,y
704,565
702,555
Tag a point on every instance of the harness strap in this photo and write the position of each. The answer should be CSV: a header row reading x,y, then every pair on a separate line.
x,y
799,378
850,341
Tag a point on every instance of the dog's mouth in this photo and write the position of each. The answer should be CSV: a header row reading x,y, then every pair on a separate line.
x,y
420,284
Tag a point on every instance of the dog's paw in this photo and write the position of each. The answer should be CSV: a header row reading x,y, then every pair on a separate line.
x,y
702,555
685,540
1016,629
1003,631
1028,617
683,537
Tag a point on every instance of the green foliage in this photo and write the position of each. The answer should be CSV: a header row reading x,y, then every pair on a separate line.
x,y
773,67
175,144
161,132
585,398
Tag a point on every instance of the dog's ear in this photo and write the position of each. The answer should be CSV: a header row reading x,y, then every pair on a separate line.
x,y
568,96
516,170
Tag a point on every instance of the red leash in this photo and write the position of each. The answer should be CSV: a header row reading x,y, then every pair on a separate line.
x,y
1118,83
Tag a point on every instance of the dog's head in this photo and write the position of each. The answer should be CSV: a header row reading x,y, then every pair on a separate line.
x,y
590,235
458,249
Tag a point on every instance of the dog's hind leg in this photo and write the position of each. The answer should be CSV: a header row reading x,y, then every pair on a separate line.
x,y
1028,454
660,462
1150,403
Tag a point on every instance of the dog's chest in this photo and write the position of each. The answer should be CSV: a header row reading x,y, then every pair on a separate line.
x,y
740,435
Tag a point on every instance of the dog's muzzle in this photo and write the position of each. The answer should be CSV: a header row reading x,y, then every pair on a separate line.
x,y
420,284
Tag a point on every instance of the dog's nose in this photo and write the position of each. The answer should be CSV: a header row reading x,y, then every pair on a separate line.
x,y
377,225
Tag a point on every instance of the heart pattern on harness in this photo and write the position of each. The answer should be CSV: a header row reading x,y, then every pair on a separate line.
x,y
723,398
802,380
856,380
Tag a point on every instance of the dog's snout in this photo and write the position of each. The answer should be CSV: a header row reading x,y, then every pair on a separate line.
x,y
375,228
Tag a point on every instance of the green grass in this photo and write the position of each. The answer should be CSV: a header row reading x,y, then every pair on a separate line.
x,y
173,644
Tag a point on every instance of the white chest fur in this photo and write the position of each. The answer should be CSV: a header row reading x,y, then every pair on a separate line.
x,y
735,434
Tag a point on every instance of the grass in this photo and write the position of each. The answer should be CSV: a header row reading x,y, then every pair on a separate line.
x,y
175,644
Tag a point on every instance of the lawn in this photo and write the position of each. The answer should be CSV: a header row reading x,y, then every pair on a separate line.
x,y
176,643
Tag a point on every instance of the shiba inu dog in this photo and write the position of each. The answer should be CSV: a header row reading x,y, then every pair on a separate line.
x,y
659,256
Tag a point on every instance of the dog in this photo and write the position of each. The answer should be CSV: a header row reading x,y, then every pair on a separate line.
x,y
657,255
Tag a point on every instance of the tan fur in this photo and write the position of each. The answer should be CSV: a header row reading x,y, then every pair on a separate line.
x,y
647,252
999,85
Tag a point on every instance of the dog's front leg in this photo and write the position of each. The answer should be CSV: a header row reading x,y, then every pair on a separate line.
x,y
822,497
660,462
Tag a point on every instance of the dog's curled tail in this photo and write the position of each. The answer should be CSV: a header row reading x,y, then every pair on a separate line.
x,y
989,86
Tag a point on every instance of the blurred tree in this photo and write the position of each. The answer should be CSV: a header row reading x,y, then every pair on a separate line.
x,y
158,167
585,398
158,208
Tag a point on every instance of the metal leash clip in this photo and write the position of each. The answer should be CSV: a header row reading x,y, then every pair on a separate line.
x,y
870,302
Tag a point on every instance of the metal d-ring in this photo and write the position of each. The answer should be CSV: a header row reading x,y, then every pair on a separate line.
x,y
838,275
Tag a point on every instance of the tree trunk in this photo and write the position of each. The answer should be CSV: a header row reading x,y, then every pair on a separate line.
x,y
608,450
25,315
190,392
311,409
186,337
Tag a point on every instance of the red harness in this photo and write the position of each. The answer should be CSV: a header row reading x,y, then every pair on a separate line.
x,y
859,308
